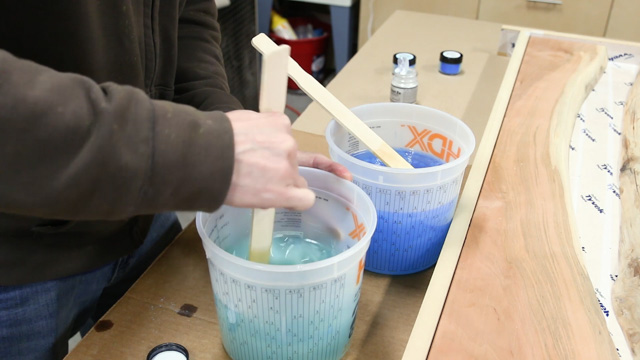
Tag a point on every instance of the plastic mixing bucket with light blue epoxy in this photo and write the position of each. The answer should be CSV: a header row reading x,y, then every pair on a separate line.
x,y
414,206
295,312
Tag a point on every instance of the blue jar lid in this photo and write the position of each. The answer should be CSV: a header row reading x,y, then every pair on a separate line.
x,y
168,351
451,57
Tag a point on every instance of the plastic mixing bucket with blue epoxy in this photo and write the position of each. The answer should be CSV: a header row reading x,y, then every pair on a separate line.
x,y
295,312
414,206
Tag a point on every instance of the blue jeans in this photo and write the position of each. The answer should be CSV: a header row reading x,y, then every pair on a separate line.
x,y
37,320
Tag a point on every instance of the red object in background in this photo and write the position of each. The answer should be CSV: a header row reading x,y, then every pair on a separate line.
x,y
309,53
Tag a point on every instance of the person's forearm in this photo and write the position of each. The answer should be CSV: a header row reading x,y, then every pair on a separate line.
x,y
73,149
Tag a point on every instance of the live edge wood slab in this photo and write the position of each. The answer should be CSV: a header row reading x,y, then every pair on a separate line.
x,y
520,290
626,290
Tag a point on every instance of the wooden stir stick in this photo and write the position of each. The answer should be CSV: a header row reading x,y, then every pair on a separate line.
x,y
273,97
337,109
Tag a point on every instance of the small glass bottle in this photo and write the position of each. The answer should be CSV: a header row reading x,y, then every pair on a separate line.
x,y
404,84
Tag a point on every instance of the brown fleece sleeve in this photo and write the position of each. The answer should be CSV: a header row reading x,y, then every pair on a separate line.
x,y
73,149
201,80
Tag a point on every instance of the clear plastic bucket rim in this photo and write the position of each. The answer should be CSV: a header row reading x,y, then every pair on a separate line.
x,y
202,217
463,159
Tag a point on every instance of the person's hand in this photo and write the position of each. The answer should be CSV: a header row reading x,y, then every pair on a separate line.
x,y
322,162
265,173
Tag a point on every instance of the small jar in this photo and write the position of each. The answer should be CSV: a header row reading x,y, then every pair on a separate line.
x,y
168,351
404,83
450,62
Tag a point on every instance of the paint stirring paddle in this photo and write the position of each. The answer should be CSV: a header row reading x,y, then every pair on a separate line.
x,y
337,109
273,97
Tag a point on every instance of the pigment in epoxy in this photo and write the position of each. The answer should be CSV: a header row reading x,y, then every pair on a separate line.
x,y
417,159
289,249
412,225
299,323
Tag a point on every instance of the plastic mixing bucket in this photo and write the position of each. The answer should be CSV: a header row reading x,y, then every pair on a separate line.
x,y
415,206
291,311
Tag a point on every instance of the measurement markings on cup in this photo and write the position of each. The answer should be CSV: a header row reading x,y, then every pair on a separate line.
x,y
359,232
429,145
294,321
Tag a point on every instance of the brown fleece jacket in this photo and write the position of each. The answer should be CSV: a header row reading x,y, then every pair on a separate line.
x,y
99,124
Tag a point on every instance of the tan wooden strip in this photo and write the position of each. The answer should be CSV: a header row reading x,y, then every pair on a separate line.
x,y
520,291
273,98
343,115
626,290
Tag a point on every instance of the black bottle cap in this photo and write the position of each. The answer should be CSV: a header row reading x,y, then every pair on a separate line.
x,y
168,347
451,57
410,56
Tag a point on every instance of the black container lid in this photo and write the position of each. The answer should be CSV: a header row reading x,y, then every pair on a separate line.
x,y
168,347
451,57
410,56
